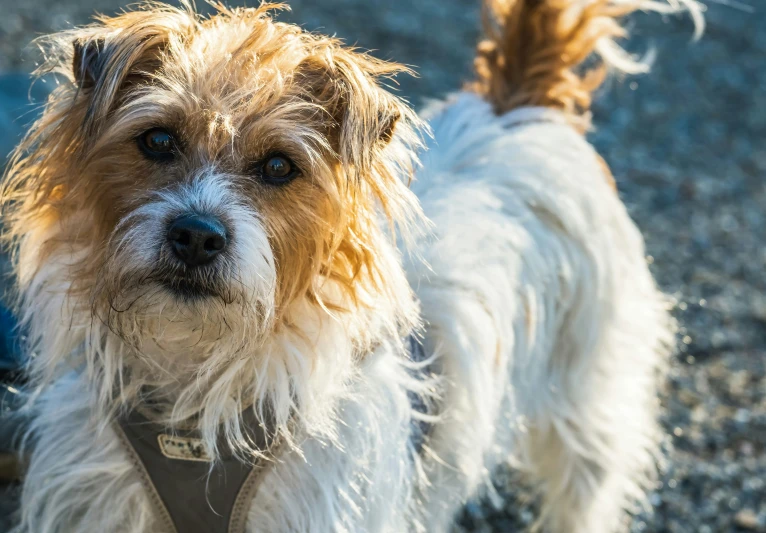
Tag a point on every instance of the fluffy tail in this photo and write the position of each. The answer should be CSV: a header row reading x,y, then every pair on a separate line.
x,y
535,51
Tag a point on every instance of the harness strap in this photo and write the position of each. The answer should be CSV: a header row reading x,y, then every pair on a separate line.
x,y
190,493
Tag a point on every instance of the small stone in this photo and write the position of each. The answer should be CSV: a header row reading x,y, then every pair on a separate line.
x,y
747,519
742,416
746,448
689,398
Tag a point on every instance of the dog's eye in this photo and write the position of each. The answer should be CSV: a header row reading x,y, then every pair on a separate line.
x,y
158,144
278,169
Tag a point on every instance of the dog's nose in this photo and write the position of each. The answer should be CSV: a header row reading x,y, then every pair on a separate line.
x,y
197,239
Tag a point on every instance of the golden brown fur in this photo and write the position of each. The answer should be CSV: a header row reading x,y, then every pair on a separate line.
x,y
534,52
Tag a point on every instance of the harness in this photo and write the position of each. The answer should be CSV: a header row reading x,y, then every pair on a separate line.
x,y
192,494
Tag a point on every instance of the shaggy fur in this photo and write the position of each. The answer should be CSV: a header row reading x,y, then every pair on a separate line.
x,y
543,325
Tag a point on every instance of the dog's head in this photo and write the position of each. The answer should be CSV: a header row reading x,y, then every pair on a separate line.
x,y
199,178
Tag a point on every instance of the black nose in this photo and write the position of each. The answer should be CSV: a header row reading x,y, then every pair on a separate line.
x,y
197,239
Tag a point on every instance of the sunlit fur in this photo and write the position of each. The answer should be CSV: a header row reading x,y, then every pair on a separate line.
x,y
544,330
534,51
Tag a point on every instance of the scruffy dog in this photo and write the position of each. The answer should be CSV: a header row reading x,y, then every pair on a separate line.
x,y
228,226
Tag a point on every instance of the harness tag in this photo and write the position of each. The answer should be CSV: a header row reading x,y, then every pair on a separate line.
x,y
183,448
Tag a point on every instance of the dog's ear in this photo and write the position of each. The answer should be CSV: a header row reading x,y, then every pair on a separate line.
x,y
106,67
388,122
124,53
375,135
87,62
363,116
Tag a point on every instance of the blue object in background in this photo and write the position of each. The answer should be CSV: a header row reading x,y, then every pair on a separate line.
x,y
20,102
10,352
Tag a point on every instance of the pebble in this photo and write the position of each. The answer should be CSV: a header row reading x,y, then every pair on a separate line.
x,y
747,519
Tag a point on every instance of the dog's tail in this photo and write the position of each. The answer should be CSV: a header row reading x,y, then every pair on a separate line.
x,y
536,52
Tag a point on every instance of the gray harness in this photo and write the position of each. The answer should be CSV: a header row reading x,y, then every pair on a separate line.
x,y
191,494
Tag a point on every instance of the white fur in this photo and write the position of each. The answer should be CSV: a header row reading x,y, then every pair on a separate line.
x,y
536,269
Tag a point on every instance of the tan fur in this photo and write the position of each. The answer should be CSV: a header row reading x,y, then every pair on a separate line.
x,y
534,53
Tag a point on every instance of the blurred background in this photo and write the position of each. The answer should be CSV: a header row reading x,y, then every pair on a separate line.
x,y
687,146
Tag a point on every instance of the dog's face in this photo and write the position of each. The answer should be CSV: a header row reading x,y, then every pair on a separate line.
x,y
212,173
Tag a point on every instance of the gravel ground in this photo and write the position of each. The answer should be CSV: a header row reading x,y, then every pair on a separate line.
x,y
686,145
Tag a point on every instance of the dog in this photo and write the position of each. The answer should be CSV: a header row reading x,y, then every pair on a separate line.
x,y
228,228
